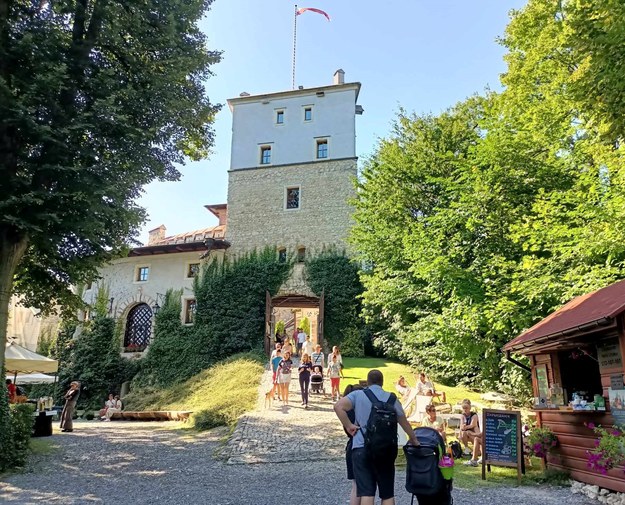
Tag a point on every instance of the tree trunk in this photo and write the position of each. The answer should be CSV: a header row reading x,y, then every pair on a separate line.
x,y
12,249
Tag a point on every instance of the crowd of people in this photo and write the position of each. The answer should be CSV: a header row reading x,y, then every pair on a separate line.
x,y
313,364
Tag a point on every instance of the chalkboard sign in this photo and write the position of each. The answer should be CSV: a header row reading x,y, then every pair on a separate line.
x,y
502,439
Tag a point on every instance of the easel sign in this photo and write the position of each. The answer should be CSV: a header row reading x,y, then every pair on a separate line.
x,y
502,440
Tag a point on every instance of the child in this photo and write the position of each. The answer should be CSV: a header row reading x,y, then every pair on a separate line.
x,y
334,372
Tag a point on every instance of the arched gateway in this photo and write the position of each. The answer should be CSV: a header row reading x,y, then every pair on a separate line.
x,y
295,304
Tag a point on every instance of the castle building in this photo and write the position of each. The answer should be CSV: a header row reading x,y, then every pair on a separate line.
x,y
292,170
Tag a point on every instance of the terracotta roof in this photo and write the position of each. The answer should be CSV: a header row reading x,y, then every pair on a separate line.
x,y
583,312
193,236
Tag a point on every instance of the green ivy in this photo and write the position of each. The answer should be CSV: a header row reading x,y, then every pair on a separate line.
x,y
94,359
6,428
230,318
334,274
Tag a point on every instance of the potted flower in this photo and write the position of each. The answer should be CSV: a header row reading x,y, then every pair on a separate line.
x,y
609,451
540,441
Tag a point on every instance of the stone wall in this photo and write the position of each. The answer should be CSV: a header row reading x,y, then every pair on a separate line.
x,y
257,217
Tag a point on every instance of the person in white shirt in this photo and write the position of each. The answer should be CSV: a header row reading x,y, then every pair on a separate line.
x,y
301,338
308,347
426,388
273,353
107,405
402,387
117,407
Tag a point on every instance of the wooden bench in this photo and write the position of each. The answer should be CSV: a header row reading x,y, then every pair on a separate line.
x,y
153,415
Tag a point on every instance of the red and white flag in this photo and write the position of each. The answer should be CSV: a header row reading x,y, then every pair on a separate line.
x,y
318,11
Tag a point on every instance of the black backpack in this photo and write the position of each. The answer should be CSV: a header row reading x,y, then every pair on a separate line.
x,y
456,449
381,434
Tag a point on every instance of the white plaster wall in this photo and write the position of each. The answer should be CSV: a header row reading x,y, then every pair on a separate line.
x,y
167,271
254,123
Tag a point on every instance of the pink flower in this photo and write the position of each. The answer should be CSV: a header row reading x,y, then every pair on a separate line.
x,y
591,425
616,433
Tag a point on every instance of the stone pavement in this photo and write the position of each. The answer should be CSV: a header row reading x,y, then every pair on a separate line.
x,y
279,434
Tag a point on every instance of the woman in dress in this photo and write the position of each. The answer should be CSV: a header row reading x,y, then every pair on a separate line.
x,y
116,407
107,405
284,376
67,415
304,377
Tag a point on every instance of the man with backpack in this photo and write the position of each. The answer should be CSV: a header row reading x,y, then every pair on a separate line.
x,y
374,432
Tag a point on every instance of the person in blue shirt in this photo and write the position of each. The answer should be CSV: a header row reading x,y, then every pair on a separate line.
x,y
371,471
275,362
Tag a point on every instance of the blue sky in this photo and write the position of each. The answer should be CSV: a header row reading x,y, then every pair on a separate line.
x,y
422,55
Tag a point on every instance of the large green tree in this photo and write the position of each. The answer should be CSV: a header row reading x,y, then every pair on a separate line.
x,y
481,220
97,99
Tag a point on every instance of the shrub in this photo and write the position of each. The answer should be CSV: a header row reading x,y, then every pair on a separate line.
x,y
94,359
22,427
208,419
89,416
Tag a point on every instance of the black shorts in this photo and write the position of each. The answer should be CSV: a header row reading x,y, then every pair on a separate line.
x,y
370,473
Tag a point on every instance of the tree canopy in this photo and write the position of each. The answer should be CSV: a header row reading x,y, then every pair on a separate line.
x,y
479,221
97,99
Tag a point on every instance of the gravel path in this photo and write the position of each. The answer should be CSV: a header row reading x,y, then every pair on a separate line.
x,y
145,463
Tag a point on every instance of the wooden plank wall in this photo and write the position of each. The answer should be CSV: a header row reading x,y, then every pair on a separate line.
x,y
573,436
574,440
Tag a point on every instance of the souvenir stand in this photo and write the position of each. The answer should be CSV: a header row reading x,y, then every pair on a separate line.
x,y
576,356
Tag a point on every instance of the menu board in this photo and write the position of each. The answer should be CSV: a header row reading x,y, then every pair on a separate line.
x,y
502,439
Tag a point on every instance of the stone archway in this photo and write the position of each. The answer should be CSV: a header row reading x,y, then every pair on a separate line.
x,y
308,306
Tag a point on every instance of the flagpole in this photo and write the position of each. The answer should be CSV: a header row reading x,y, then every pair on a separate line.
x,y
294,44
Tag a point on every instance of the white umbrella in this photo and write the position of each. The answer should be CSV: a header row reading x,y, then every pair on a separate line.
x,y
18,359
32,378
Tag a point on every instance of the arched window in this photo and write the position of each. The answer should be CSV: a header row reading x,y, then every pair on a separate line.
x,y
301,254
138,328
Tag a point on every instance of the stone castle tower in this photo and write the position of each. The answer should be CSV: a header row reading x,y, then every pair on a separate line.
x,y
292,169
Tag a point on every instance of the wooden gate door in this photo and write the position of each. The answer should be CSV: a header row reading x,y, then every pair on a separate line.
x,y
268,311
320,320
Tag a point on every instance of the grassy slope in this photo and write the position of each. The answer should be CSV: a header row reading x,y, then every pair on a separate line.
x,y
217,396
357,368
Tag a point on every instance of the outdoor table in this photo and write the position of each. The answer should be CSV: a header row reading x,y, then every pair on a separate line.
x,y
43,423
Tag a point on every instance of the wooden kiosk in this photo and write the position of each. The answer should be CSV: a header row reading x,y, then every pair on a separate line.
x,y
576,356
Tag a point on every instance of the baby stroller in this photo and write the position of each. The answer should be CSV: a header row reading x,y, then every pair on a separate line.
x,y
316,380
424,478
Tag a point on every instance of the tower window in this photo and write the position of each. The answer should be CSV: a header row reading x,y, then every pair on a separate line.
x,y
282,255
280,117
292,198
301,255
322,149
307,113
265,155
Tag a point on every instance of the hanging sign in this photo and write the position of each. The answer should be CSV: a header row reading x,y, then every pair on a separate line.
x,y
609,353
